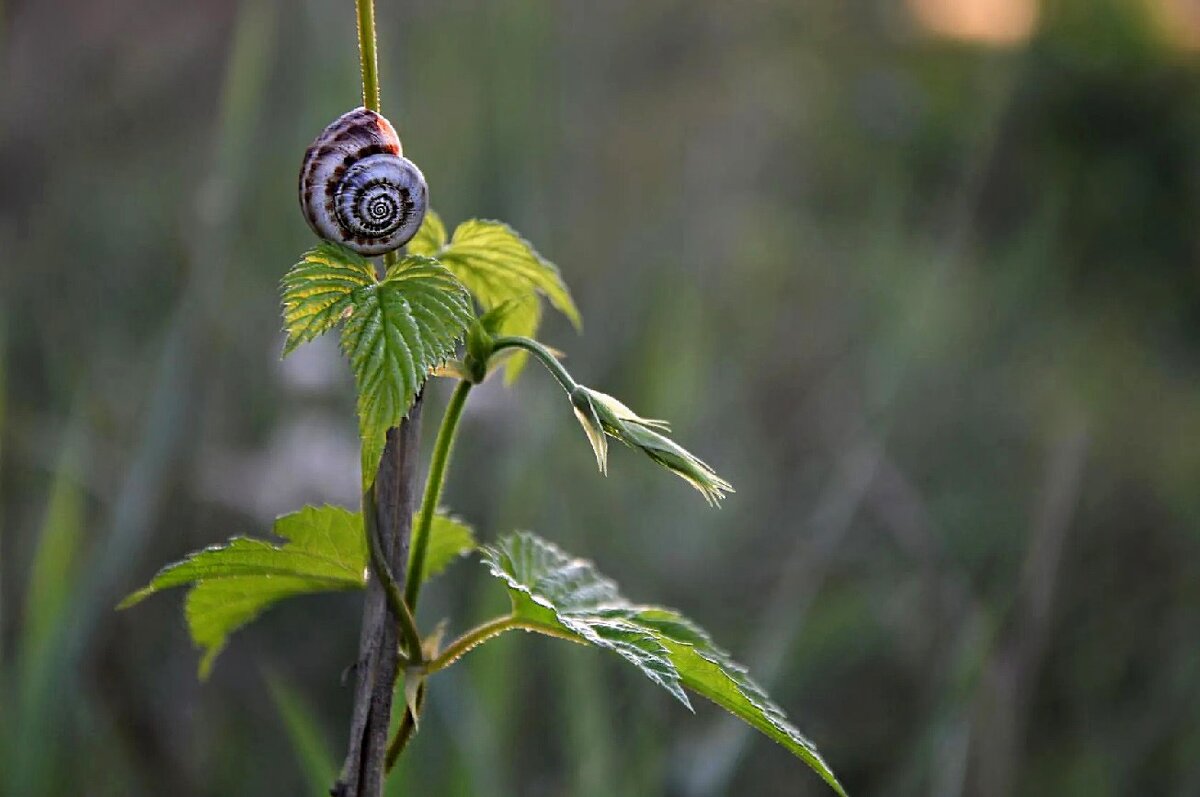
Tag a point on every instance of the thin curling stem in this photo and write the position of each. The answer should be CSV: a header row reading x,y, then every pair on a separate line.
x,y
482,633
379,565
433,491
368,61
544,356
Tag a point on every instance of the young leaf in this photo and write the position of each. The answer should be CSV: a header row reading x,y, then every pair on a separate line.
x,y
449,539
600,414
319,290
646,435
593,427
398,331
431,236
235,582
325,544
326,550
498,266
551,590
559,595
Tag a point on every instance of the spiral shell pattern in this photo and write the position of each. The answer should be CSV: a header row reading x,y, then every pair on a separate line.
x,y
358,189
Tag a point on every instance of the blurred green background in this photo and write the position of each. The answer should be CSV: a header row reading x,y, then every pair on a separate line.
x,y
920,278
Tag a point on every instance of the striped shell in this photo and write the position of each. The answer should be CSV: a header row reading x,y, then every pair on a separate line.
x,y
357,189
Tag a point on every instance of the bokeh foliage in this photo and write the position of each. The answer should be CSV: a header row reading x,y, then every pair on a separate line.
x,y
933,308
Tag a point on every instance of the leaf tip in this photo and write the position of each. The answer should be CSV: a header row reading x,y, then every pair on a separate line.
x,y
412,691
134,598
572,314
206,662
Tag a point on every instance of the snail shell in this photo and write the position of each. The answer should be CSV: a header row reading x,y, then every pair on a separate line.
x,y
357,189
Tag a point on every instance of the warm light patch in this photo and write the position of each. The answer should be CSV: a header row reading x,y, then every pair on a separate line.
x,y
996,22
1179,21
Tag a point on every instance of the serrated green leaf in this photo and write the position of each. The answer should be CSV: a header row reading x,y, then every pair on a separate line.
x,y
325,545
449,539
498,266
431,236
398,331
319,290
505,265
493,320
237,581
557,593
326,551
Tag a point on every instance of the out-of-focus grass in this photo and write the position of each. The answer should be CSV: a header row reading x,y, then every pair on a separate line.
x,y
306,735
40,705
3,402
799,231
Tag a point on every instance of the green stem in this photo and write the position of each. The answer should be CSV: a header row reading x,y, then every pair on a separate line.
x,y
482,633
379,566
433,491
420,544
455,651
544,355
368,62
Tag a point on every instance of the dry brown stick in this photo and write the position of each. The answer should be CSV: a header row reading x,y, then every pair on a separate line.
x,y
378,652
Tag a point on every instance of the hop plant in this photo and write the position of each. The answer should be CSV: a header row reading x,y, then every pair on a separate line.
x,y
458,306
